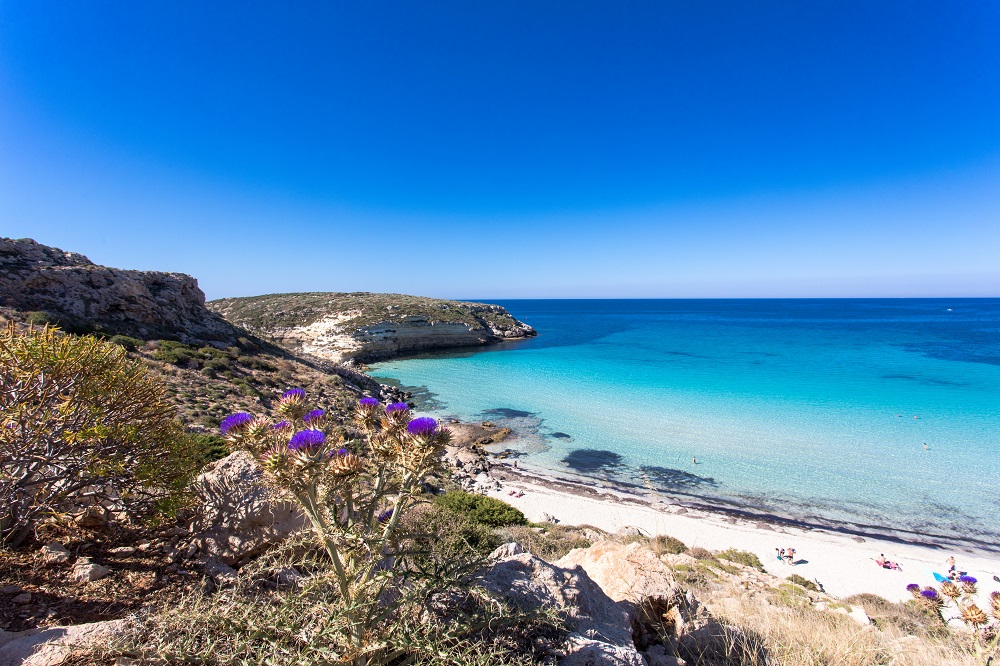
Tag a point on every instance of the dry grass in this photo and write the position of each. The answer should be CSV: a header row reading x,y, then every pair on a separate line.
x,y
802,636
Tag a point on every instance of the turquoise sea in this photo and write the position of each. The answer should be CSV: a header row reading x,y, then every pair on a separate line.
x,y
810,410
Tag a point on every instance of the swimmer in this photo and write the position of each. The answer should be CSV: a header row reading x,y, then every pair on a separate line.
x,y
694,461
925,446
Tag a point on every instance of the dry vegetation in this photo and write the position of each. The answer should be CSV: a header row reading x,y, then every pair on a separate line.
x,y
263,314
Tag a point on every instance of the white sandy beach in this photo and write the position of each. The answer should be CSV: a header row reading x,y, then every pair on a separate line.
x,y
841,563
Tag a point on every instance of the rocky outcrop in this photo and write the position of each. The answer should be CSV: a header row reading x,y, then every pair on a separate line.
x,y
370,327
241,516
81,295
598,625
666,622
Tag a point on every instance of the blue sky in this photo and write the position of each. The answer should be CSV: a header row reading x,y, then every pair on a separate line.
x,y
511,149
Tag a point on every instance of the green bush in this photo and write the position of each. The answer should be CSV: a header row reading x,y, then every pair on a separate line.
x,y
125,341
85,416
39,318
744,557
481,509
206,448
803,582
667,544
176,353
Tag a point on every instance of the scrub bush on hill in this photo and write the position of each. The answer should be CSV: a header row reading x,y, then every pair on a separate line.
x,y
481,509
82,423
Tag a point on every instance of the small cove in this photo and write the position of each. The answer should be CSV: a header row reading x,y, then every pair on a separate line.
x,y
813,410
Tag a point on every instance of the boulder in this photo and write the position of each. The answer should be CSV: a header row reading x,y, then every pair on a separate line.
x,y
240,515
51,647
54,553
93,517
507,550
660,612
530,583
586,652
85,571
626,572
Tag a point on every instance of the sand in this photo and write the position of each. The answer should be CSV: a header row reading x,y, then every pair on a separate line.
x,y
843,564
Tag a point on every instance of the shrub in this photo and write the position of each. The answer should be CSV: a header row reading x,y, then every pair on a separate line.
x,y
125,341
484,510
803,582
79,416
551,543
667,544
175,353
700,553
39,318
743,557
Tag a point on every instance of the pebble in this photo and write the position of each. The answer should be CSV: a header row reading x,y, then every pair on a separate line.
x,y
24,598
11,589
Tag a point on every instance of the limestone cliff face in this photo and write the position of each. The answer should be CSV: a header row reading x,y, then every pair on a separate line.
x,y
77,292
370,327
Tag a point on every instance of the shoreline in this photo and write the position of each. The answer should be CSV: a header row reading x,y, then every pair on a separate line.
x,y
841,561
643,495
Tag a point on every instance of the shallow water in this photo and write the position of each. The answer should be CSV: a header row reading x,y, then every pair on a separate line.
x,y
799,408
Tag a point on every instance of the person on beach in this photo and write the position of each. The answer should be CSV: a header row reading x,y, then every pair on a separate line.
x,y
781,554
880,560
790,556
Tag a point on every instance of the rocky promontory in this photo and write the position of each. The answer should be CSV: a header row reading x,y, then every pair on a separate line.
x,y
69,289
369,327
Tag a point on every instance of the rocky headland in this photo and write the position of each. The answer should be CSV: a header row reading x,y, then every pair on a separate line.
x,y
73,291
369,327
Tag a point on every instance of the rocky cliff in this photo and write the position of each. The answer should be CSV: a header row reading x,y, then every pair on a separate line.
x,y
368,327
73,291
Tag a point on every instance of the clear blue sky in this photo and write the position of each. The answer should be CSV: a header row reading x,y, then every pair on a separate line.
x,y
511,149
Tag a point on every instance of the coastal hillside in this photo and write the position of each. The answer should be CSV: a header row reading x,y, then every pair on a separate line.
x,y
52,285
368,327
208,366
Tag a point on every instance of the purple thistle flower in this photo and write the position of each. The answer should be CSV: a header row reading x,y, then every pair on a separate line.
x,y
281,424
424,426
306,439
396,407
968,580
384,516
234,421
912,587
342,452
293,393
314,415
368,401
929,594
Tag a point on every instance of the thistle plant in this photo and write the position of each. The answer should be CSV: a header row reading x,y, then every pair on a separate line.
x,y
354,494
960,597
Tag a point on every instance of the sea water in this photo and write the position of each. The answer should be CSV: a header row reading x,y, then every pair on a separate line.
x,y
812,410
